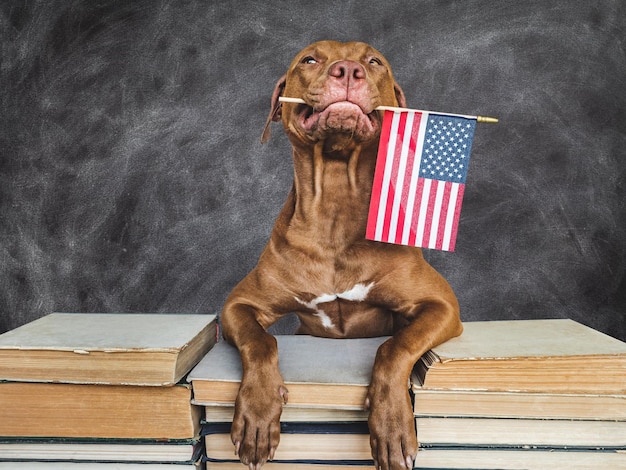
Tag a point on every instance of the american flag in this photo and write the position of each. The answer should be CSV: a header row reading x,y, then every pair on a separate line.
x,y
420,179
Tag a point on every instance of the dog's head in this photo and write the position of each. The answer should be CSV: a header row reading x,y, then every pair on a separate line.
x,y
341,85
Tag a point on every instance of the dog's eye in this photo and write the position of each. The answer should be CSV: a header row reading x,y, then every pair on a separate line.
x,y
376,61
309,60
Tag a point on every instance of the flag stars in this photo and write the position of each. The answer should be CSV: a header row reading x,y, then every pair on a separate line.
x,y
447,145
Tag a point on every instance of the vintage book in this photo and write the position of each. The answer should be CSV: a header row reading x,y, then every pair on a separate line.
x,y
291,413
221,465
518,459
97,411
102,450
104,348
329,373
332,443
560,356
506,432
460,403
26,465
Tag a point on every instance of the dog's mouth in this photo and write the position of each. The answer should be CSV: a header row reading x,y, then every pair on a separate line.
x,y
338,117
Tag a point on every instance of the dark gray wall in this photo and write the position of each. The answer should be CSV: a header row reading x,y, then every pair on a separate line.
x,y
132,177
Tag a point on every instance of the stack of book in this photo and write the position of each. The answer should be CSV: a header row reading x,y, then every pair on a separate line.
x,y
102,392
526,394
531,394
323,425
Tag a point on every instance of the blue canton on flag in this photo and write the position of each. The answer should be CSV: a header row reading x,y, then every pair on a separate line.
x,y
447,147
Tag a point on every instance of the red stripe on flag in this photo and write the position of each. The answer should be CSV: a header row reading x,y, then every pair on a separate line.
x,y
378,175
429,211
413,239
394,177
410,160
443,218
401,216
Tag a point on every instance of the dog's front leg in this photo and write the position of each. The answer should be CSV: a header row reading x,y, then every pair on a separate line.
x,y
255,430
392,428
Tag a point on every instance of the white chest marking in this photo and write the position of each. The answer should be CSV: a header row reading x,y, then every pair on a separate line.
x,y
357,294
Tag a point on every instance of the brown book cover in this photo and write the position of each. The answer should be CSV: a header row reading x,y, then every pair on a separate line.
x,y
511,433
460,403
29,465
518,459
333,443
97,411
121,451
291,413
106,348
560,356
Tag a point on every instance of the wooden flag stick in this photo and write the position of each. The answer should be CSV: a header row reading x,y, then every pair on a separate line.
x,y
484,119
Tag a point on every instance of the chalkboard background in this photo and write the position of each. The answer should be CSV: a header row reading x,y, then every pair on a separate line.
x,y
132,178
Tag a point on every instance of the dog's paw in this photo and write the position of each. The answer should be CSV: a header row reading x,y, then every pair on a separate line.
x,y
255,431
392,428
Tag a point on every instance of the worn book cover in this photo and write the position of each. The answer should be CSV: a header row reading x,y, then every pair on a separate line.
x,y
291,413
46,465
460,403
505,432
101,450
106,348
332,443
486,458
29,409
317,371
560,356
223,465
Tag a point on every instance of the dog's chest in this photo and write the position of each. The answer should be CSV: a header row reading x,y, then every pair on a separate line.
x,y
334,314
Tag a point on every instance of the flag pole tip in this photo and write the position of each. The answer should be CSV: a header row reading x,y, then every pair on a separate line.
x,y
487,120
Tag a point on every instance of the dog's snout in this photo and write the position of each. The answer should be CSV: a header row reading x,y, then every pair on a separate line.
x,y
346,71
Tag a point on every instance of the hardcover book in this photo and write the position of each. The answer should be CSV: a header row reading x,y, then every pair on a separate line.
x,y
322,372
460,403
101,450
26,465
291,413
506,432
98,411
332,443
518,459
560,356
104,348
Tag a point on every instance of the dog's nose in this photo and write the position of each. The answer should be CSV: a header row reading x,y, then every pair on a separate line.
x,y
347,71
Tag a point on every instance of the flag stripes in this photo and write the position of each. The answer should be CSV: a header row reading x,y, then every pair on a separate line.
x,y
419,179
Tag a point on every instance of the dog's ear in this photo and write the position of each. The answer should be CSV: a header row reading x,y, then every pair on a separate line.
x,y
276,109
399,95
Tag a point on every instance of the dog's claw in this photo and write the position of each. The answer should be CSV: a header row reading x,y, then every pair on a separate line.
x,y
284,394
409,461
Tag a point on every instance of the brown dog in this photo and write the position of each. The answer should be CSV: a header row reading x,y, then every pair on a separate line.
x,y
318,263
